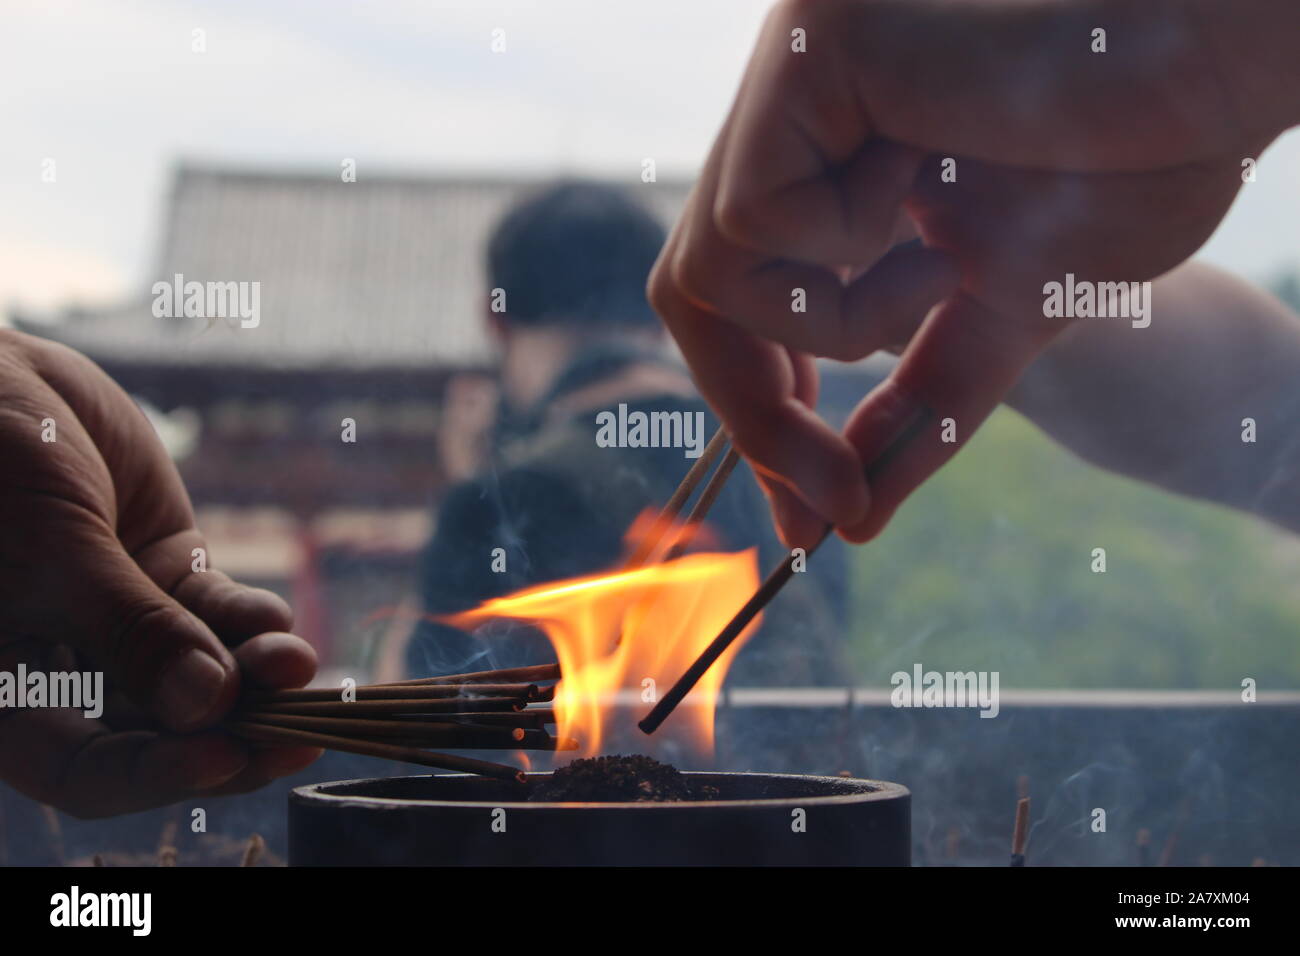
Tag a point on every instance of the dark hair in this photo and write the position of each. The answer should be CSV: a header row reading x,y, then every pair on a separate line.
x,y
576,252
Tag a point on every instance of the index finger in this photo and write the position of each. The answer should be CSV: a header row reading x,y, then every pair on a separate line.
x,y
751,384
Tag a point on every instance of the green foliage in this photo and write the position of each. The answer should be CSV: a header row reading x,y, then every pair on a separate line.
x,y
1287,288
988,567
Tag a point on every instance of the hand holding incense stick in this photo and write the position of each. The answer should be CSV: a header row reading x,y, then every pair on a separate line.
x,y
368,748
770,587
397,721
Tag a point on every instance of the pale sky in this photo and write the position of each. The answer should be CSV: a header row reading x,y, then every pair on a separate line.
x,y
114,94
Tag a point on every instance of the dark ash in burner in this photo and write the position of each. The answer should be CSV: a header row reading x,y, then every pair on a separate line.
x,y
617,779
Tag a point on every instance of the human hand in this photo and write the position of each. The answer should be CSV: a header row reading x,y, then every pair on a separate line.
x,y
1113,167
96,573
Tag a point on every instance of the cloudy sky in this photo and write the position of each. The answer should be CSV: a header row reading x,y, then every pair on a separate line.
x,y
115,95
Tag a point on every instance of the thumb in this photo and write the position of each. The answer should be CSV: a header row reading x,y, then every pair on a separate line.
x,y
162,657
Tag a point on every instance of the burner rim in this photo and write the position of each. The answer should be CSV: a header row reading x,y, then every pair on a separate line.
x,y
869,791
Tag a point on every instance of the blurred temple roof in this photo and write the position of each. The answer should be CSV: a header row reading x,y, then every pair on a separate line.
x,y
383,272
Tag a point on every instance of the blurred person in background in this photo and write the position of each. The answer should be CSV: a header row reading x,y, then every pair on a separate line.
x,y
577,337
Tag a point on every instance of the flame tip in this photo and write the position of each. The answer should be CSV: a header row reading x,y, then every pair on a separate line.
x,y
610,631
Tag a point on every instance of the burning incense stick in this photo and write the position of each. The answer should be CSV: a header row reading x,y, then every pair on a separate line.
x,y
701,508
668,516
457,736
541,740
769,589
369,708
531,673
528,717
367,748
437,733
1021,834
416,692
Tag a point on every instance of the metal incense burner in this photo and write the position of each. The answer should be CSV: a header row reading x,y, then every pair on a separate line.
x,y
759,819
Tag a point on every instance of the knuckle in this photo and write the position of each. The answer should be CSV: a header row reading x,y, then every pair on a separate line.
x,y
738,216
659,288
16,344
693,278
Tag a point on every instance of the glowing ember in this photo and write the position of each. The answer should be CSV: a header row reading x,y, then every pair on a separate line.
x,y
633,631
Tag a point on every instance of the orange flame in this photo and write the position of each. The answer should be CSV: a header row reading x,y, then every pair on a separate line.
x,y
634,632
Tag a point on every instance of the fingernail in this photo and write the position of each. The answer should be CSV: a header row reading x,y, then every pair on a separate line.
x,y
189,689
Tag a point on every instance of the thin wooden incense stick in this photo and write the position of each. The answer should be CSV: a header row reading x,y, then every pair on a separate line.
x,y
418,692
529,717
531,674
1020,835
456,736
366,748
769,589
436,733
369,708
668,516
701,508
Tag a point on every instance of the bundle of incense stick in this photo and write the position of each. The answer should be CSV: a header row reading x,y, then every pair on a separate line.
x,y
483,710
